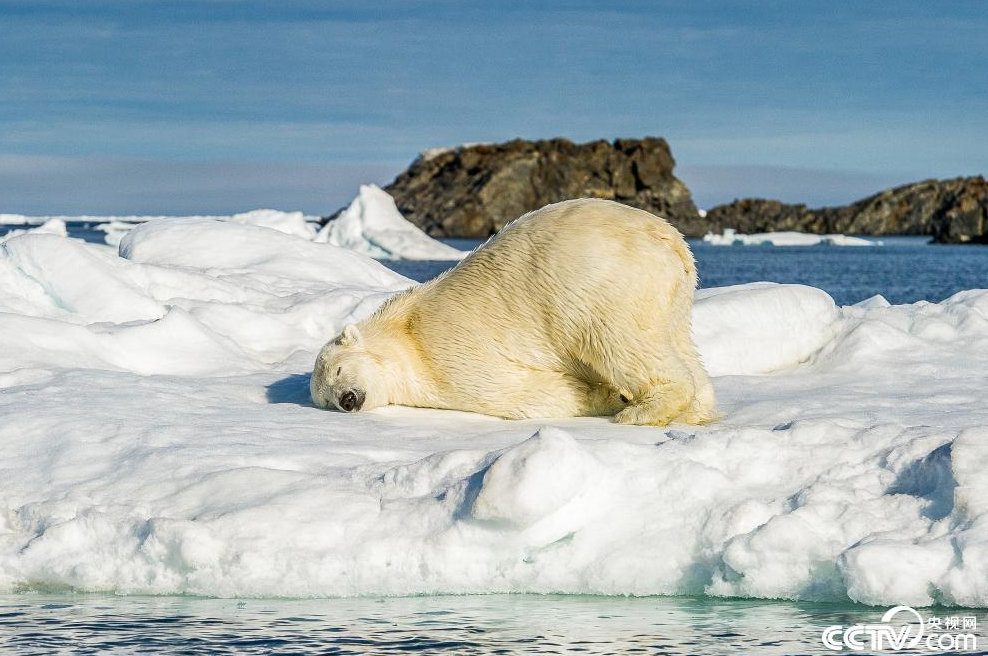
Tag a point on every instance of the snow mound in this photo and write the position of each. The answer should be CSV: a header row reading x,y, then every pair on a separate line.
x,y
157,438
732,238
761,327
229,249
373,226
534,479
291,223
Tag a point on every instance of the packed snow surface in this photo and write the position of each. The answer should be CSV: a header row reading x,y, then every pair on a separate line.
x,y
732,238
372,225
157,437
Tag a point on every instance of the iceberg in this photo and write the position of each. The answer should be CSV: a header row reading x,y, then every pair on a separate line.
x,y
157,438
114,231
730,237
373,226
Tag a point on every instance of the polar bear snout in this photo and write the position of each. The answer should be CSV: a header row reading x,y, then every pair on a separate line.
x,y
352,400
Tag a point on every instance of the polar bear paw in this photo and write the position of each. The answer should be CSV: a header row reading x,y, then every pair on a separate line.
x,y
659,406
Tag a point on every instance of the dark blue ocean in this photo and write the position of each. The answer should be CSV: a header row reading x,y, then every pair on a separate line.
x,y
903,269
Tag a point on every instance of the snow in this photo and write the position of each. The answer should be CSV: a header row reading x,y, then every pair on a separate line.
x,y
794,322
432,153
157,438
49,227
731,238
372,225
115,231
291,223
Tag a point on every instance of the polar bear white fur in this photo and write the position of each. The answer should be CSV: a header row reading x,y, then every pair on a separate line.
x,y
580,308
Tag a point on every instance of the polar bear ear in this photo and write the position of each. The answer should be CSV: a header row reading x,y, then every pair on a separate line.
x,y
350,335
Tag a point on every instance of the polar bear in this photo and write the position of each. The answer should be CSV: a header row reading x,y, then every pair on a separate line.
x,y
581,308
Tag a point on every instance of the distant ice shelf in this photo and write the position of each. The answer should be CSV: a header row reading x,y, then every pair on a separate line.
x,y
732,238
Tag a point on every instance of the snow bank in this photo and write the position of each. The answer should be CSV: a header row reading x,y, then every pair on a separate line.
x,y
373,226
291,223
761,327
732,238
157,438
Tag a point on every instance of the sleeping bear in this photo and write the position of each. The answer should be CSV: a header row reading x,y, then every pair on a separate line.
x,y
581,308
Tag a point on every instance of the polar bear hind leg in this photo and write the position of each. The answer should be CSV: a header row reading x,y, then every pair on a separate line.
x,y
542,393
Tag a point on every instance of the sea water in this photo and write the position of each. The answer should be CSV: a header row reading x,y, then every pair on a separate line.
x,y
903,269
482,624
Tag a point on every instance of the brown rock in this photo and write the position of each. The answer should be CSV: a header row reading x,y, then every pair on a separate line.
x,y
473,191
952,211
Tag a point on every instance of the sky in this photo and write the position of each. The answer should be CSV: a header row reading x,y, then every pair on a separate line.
x,y
219,106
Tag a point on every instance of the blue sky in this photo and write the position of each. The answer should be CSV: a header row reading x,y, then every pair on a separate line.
x,y
221,106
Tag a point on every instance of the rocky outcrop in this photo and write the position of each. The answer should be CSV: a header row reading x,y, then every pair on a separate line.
x,y
952,211
751,215
473,191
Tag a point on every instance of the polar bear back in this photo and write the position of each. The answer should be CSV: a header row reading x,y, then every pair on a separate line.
x,y
544,290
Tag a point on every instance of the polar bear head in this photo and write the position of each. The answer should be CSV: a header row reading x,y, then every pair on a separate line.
x,y
346,375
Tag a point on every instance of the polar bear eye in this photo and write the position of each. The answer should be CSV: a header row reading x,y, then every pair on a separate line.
x,y
339,370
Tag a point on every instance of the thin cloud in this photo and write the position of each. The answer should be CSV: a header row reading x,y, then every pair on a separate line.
x,y
882,88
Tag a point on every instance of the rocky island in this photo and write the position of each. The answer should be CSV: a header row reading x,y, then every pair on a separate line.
x,y
951,211
474,190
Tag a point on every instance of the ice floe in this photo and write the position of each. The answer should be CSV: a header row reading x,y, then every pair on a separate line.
x,y
732,238
157,438
373,226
